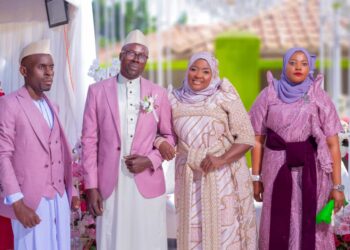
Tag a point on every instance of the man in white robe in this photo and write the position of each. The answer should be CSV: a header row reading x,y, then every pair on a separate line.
x,y
122,170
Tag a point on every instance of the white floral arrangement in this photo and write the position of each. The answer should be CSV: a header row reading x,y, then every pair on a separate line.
x,y
1,90
344,138
99,73
148,105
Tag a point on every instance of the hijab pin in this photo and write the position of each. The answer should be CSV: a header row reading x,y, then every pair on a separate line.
x,y
306,98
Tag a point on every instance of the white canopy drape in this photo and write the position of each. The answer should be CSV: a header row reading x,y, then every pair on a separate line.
x,y
72,45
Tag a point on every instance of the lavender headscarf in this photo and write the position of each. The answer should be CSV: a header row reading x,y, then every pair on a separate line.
x,y
290,92
186,94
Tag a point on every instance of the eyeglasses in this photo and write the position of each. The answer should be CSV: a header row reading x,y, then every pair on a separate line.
x,y
131,55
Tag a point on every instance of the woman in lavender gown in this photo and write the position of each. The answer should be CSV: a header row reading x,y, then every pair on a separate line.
x,y
296,158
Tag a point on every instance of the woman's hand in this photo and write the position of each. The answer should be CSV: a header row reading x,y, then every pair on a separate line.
x,y
167,151
210,162
339,199
258,190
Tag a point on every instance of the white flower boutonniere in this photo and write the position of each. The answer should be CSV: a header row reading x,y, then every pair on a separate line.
x,y
148,105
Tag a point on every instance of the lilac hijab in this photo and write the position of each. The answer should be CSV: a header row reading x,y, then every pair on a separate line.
x,y
288,91
186,94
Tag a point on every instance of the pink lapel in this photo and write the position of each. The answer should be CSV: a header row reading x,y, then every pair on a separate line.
x,y
34,117
111,92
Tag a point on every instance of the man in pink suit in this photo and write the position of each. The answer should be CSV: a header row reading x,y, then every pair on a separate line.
x,y
123,173
35,160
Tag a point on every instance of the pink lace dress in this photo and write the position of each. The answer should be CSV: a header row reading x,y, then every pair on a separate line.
x,y
315,115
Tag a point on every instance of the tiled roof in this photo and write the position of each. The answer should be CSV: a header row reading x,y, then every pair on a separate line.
x,y
287,25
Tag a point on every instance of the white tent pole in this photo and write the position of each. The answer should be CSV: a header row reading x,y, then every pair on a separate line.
x,y
122,21
160,77
336,60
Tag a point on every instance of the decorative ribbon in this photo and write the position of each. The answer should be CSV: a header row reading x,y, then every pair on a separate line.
x,y
297,154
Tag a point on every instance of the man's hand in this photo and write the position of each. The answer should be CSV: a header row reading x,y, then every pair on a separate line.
x,y
211,162
137,163
75,203
25,215
95,201
167,151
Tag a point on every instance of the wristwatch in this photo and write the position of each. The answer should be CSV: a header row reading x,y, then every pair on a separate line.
x,y
339,187
256,177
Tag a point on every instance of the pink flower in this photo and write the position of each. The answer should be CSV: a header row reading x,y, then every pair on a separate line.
x,y
346,237
337,242
82,186
89,220
344,227
346,119
83,206
75,233
91,232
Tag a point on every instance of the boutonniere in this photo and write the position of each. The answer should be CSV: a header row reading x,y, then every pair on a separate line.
x,y
148,105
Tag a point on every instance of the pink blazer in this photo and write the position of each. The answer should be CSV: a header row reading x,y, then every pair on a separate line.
x,y
102,142
24,151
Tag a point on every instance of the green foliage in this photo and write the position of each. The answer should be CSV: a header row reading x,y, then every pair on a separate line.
x,y
337,5
182,20
175,65
135,17
103,42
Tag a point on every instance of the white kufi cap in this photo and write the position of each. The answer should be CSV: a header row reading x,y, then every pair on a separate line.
x,y
135,36
39,47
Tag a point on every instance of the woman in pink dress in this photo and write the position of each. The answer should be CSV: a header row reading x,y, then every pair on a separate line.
x,y
213,190
296,158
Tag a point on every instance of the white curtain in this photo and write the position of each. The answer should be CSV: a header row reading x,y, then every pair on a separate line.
x,y
73,49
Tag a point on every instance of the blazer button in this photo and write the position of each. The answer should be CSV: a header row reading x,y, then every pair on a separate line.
x,y
52,183
59,162
59,181
46,165
118,148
